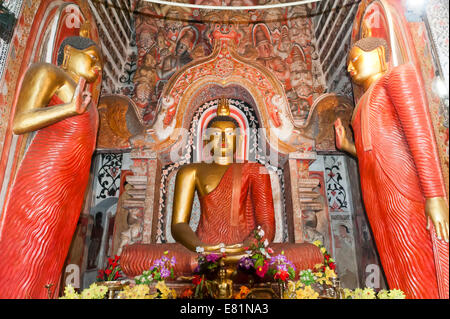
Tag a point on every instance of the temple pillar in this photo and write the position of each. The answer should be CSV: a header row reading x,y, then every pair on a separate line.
x,y
144,192
303,195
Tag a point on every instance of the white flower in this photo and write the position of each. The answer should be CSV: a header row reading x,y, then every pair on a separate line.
x,y
259,227
248,252
266,243
221,245
261,233
222,250
263,251
200,249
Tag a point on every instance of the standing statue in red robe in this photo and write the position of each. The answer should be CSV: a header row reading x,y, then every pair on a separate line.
x,y
401,179
46,198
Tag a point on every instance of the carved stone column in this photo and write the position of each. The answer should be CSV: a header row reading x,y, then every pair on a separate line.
x,y
302,195
144,193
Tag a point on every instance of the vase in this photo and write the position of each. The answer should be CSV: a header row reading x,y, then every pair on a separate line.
x,y
281,289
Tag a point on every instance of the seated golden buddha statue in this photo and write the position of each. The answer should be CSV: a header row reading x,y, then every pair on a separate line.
x,y
235,198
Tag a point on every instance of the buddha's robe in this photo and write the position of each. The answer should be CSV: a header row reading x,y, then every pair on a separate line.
x,y
220,222
45,204
399,168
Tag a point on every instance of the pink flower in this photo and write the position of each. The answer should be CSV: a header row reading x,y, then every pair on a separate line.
x,y
262,270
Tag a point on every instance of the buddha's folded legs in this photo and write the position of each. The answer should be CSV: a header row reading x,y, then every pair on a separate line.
x,y
303,256
140,257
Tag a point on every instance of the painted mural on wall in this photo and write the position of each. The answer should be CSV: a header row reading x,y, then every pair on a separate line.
x,y
281,40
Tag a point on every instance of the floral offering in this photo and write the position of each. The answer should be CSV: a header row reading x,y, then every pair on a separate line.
x,y
306,277
328,261
112,272
369,293
202,287
93,292
135,292
161,269
258,258
208,264
281,268
143,292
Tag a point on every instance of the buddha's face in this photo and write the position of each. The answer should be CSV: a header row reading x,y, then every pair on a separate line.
x,y
223,139
86,63
363,65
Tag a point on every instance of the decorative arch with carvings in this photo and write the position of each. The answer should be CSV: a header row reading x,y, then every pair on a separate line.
x,y
224,67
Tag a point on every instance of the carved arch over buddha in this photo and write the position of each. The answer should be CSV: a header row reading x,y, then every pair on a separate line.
x,y
224,67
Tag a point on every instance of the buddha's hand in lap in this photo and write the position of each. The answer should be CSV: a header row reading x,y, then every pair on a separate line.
x,y
226,249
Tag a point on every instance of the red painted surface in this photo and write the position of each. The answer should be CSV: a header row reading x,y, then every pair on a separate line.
x,y
399,169
256,209
45,205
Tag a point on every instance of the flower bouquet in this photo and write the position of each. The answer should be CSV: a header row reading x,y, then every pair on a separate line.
x,y
256,263
93,292
112,272
142,291
202,287
161,270
327,260
281,268
209,264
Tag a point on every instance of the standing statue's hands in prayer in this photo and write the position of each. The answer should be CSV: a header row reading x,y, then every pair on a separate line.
x,y
342,142
436,210
81,97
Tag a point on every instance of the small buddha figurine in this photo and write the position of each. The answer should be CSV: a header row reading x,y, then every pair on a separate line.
x,y
235,198
401,178
223,287
45,201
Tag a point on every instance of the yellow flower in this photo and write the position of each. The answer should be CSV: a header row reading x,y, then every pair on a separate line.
x,y
383,294
324,280
70,293
396,294
329,273
366,293
318,266
299,284
307,293
135,292
94,292
318,243
166,293
348,294
323,250
318,274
